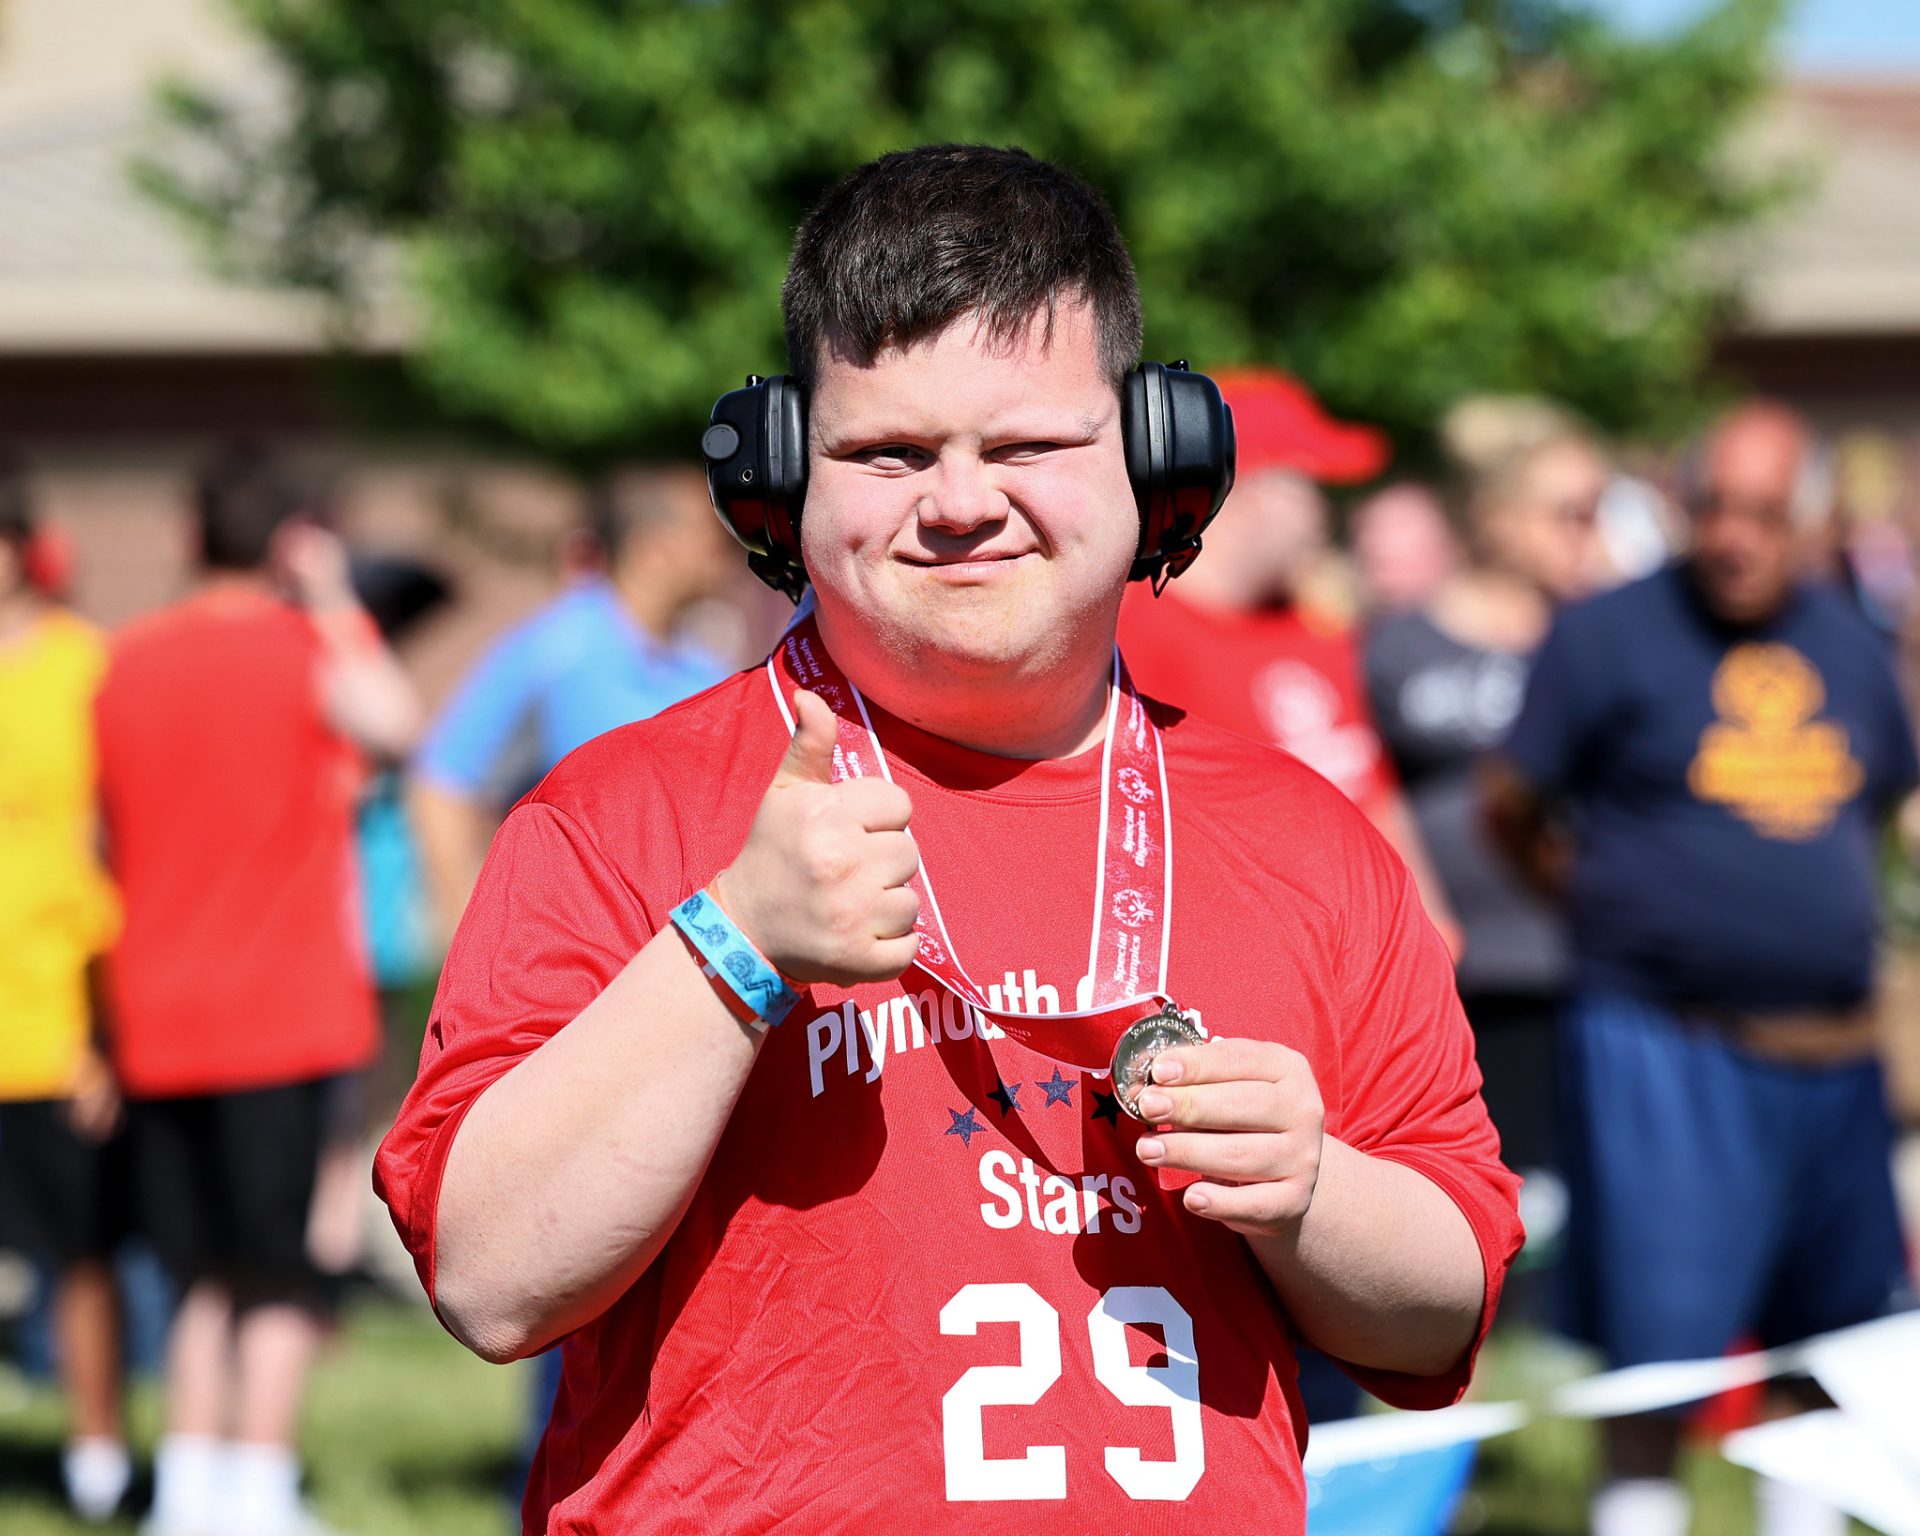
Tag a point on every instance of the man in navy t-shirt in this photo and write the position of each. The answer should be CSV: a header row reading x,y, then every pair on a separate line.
x,y
1725,741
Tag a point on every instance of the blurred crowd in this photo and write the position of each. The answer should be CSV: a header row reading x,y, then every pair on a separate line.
x,y
1636,725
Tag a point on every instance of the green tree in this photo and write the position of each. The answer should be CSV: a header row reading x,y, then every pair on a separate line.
x,y
1401,200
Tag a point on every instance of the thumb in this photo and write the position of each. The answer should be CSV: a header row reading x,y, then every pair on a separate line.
x,y
809,758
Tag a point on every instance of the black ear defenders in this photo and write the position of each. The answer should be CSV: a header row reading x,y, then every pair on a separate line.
x,y
1176,431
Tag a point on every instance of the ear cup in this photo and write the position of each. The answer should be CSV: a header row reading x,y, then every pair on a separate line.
x,y
756,453
1178,437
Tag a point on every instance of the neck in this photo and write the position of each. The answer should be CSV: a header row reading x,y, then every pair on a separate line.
x,y
18,611
1755,617
1057,711
653,605
216,581
1054,722
1220,581
1490,606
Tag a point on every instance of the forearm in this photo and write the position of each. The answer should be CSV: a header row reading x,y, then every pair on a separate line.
x,y
452,830
1383,1270
1519,825
1907,827
369,698
570,1173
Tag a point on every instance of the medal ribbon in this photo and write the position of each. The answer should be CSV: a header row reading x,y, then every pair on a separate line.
x,y
1133,884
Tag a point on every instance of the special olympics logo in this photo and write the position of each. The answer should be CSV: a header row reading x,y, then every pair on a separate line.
x,y
1132,908
1295,700
1133,784
930,951
835,699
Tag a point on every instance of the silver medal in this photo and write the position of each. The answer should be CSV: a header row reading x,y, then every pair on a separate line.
x,y
1145,1039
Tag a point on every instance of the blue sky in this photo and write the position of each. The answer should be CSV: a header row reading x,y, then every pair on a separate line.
x,y
1876,35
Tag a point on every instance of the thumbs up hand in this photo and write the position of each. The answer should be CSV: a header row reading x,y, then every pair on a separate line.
x,y
821,886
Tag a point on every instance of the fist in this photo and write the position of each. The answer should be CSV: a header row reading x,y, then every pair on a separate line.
x,y
821,886
314,564
1246,1116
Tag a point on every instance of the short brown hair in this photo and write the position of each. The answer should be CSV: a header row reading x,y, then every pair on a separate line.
x,y
905,245
241,500
636,501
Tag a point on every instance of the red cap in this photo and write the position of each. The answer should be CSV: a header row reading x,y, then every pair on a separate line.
x,y
1277,424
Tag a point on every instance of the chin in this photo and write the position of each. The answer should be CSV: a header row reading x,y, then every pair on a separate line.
x,y
982,642
1737,606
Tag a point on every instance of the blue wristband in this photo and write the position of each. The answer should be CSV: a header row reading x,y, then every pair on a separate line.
x,y
731,957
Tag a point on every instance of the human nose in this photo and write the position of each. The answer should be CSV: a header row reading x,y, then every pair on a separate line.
x,y
962,496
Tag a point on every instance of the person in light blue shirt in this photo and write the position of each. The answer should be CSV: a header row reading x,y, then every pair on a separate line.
x,y
604,653
577,668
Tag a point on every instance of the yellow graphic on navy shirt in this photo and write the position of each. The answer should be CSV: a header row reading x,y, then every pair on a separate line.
x,y
1767,759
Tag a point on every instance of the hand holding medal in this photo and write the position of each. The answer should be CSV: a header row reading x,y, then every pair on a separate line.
x,y
1246,1117
1143,1043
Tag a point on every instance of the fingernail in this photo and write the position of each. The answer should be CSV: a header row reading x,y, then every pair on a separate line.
x,y
1155,1106
1149,1149
1197,1199
1166,1070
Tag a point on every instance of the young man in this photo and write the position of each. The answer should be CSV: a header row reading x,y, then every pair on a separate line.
x,y
604,653
61,1164
1732,740
229,728
883,1265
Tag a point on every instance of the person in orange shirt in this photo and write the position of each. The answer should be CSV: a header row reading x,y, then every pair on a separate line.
x,y
60,1171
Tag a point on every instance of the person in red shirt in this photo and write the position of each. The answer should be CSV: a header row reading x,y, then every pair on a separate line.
x,y
1238,643
908,1260
229,729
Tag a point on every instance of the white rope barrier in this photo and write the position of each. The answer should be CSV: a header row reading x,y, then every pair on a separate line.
x,y
1862,1456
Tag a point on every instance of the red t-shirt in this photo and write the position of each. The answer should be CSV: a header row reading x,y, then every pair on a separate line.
x,y
227,800
1273,674
918,1257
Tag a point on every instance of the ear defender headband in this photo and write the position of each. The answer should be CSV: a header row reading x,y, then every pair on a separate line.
x,y
1175,429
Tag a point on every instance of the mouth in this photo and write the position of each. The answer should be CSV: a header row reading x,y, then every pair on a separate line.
x,y
973,565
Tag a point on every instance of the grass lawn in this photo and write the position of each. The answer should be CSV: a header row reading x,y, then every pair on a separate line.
x,y
410,1436
407,1435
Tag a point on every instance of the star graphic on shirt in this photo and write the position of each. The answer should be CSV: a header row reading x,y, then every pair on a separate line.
x,y
1058,1089
1007,1095
965,1126
1106,1106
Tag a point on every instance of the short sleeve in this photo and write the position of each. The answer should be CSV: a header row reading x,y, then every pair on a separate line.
x,y
1380,671
1559,713
480,724
551,923
1410,1091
